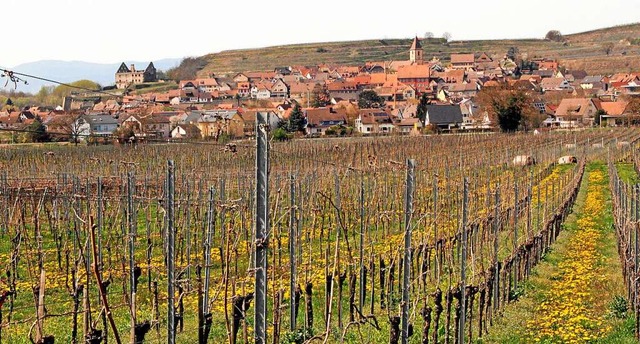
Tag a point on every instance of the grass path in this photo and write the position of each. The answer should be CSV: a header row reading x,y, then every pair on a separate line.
x,y
570,296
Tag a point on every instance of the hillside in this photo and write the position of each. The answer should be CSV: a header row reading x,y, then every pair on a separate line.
x,y
582,50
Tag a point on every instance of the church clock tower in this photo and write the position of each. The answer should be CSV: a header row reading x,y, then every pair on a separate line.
x,y
415,52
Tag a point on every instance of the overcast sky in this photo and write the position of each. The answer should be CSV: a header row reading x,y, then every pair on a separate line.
x,y
109,31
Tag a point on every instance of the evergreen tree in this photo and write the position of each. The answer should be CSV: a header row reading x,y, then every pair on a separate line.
x,y
510,113
370,99
597,119
421,112
37,132
296,120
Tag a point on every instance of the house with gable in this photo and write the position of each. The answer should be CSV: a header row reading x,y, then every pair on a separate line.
x,y
632,88
444,117
102,124
416,76
374,121
213,123
457,91
617,113
347,90
575,112
463,61
320,119
261,91
157,126
279,89
409,125
547,64
555,84
591,82
240,77
186,131
202,84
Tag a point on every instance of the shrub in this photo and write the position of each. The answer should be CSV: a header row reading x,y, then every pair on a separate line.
x,y
554,35
299,336
618,307
281,135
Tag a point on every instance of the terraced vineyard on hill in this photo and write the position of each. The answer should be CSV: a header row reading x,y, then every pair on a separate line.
x,y
582,50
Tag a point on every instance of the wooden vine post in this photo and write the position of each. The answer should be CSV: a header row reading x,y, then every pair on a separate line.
x,y
408,206
262,226
171,324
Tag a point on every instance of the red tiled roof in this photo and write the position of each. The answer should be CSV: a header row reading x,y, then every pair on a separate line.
x,y
414,72
614,108
462,58
317,115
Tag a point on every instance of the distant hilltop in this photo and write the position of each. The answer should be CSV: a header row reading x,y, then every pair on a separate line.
x,y
586,50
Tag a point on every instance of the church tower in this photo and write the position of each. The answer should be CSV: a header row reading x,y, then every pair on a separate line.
x,y
415,52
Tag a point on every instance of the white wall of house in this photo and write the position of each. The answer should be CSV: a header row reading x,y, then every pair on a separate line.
x,y
263,94
178,132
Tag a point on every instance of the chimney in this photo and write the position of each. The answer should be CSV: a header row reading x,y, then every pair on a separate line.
x,y
133,67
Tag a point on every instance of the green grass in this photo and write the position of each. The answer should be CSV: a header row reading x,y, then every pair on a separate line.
x,y
627,173
511,325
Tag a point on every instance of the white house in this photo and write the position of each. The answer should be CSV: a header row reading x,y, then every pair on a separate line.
x,y
374,121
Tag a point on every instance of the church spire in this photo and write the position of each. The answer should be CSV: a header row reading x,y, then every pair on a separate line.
x,y
415,52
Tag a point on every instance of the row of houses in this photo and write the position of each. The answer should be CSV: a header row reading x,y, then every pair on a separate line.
x,y
581,112
212,106
240,122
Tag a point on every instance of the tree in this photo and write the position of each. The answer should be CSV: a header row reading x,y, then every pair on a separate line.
x,y
370,99
36,132
428,35
320,96
608,47
446,36
73,125
421,111
188,68
124,134
58,93
597,119
9,102
296,120
511,109
513,53
633,108
280,134
555,36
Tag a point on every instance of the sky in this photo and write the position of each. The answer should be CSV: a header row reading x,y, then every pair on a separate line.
x,y
110,31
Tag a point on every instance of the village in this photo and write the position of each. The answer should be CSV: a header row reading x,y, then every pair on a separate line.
x,y
410,97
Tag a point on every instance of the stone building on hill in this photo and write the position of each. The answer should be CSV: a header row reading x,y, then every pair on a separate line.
x,y
128,76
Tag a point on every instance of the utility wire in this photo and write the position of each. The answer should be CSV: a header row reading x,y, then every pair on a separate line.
x,y
13,73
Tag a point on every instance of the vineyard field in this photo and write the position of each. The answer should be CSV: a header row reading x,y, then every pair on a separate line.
x,y
429,239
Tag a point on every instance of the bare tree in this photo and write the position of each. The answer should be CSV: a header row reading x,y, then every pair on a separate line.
x,y
73,125
608,47
446,36
554,35
428,35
